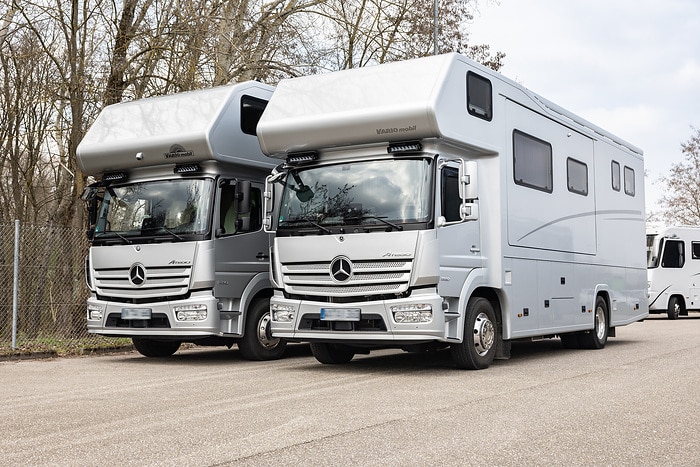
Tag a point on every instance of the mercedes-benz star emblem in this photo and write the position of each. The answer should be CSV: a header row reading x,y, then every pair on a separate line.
x,y
137,274
341,269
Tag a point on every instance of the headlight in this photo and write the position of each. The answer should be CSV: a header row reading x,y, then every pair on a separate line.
x,y
282,313
412,313
94,312
196,312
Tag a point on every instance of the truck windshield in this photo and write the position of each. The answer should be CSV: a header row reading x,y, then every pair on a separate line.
x,y
174,208
386,193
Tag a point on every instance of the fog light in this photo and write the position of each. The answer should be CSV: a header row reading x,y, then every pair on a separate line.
x,y
412,313
94,312
282,313
196,312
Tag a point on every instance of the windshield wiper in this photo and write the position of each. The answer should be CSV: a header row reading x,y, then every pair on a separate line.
x,y
114,232
167,230
309,222
380,219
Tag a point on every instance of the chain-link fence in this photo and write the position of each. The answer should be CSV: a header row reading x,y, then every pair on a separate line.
x,y
51,293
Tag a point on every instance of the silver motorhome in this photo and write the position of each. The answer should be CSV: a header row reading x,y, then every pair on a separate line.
x,y
433,203
175,217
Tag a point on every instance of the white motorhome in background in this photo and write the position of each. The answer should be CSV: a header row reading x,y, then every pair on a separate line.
x,y
433,203
178,251
673,259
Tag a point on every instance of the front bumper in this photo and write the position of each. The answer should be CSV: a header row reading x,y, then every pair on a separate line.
x,y
163,321
377,325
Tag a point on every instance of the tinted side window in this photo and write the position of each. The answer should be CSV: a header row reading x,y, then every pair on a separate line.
x,y
251,110
229,214
479,96
450,201
615,169
695,248
532,162
577,176
629,181
673,256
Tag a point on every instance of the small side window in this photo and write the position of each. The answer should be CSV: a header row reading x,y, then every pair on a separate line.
x,y
532,162
577,176
695,248
629,181
450,200
615,168
251,110
479,96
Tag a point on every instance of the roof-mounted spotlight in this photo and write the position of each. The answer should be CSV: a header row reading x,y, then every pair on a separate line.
x,y
302,157
404,146
187,168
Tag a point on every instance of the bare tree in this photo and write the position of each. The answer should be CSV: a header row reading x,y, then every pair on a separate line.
x,y
682,186
62,61
365,32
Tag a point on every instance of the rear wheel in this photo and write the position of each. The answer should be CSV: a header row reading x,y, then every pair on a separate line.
x,y
332,354
597,338
154,348
675,308
257,342
478,348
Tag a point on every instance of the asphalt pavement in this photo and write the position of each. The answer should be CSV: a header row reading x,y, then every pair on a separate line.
x,y
634,403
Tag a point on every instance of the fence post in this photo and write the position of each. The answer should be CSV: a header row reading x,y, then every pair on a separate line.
x,y
15,287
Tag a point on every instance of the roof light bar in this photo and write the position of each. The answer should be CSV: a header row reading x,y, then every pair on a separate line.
x,y
301,157
187,168
114,176
405,146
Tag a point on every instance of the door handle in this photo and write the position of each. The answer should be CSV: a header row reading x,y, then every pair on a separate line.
x,y
262,256
475,249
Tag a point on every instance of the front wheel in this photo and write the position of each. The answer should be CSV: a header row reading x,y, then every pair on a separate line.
x,y
257,342
597,338
154,348
332,354
478,348
674,308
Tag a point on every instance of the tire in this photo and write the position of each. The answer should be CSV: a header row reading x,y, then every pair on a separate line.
x,y
154,348
675,308
596,338
257,342
481,337
332,354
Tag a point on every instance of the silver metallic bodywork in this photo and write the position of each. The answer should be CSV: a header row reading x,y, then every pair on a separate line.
x,y
221,271
542,258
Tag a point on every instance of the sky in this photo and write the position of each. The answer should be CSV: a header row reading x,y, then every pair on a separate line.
x,y
629,67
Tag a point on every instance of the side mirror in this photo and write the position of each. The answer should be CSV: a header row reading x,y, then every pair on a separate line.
x,y
243,200
89,196
277,176
468,189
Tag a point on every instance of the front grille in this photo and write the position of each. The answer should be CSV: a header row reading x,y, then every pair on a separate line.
x,y
158,320
368,323
369,279
160,282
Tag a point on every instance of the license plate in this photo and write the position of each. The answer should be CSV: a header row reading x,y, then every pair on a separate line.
x,y
340,314
136,313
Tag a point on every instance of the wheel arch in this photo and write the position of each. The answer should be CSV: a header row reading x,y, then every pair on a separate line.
x,y
258,288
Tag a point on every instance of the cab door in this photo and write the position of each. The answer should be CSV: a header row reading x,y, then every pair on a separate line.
x,y
241,246
459,242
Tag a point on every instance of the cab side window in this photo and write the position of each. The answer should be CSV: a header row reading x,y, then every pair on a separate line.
x,y
450,201
229,215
